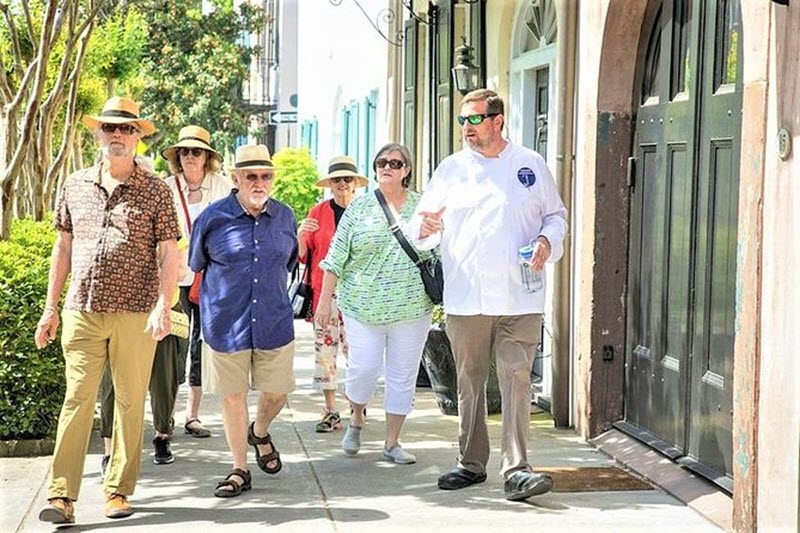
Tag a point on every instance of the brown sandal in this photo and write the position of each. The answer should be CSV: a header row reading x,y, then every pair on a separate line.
x,y
230,487
264,460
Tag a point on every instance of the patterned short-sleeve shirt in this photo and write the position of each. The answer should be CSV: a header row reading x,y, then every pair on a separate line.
x,y
114,240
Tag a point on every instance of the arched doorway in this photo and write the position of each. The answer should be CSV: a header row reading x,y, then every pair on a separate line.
x,y
531,121
684,184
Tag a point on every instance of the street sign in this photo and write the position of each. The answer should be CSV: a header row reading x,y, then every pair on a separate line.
x,y
282,117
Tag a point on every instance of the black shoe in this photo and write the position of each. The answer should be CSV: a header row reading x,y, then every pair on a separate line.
x,y
104,465
163,451
458,478
522,485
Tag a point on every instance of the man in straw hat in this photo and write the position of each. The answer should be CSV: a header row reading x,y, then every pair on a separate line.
x,y
314,238
117,236
246,245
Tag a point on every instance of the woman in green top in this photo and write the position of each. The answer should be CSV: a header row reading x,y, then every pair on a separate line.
x,y
383,302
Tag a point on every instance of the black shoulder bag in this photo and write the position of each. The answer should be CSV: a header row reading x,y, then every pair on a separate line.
x,y
430,269
300,293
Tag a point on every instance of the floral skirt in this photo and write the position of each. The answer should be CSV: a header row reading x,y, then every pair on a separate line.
x,y
327,345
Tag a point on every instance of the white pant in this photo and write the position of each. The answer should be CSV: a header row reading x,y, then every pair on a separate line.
x,y
393,350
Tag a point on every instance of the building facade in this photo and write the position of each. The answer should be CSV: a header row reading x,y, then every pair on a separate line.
x,y
343,83
271,91
668,125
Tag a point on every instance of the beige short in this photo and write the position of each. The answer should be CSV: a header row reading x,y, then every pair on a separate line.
x,y
262,370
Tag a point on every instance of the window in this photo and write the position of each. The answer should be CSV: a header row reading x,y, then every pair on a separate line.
x,y
541,24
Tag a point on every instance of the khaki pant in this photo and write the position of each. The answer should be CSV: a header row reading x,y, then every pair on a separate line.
x,y
89,341
511,340
169,368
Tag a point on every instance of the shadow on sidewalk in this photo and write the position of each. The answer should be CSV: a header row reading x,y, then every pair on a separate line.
x,y
252,515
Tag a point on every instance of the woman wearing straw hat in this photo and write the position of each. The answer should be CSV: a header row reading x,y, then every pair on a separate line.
x,y
386,311
195,182
314,237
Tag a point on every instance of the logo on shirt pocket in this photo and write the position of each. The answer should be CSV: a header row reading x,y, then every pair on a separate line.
x,y
526,176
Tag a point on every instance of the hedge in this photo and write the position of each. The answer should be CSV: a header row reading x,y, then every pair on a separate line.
x,y
31,381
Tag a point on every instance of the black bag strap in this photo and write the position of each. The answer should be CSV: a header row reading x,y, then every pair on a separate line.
x,y
306,273
398,234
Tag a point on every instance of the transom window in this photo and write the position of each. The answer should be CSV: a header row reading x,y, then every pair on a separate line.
x,y
539,26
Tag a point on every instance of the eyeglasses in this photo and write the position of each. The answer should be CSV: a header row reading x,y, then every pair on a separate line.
x,y
475,119
124,129
252,178
347,179
184,152
394,164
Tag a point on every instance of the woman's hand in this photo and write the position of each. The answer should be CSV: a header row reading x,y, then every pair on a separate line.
x,y
324,313
309,225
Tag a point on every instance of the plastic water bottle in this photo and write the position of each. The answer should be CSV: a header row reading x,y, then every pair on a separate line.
x,y
532,280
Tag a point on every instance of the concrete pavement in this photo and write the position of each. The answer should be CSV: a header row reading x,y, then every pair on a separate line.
x,y
321,489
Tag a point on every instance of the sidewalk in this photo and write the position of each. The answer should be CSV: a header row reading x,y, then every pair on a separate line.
x,y
321,489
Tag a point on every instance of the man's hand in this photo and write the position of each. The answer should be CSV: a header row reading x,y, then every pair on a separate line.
x,y
47,327
541,254
158,321
431,223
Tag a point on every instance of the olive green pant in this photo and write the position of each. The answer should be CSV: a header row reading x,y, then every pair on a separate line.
x,y
511,341
169,368
90,341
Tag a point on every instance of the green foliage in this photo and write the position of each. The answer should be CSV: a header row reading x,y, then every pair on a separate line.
x,y
195,66
117,46
438,317
31,381
295,182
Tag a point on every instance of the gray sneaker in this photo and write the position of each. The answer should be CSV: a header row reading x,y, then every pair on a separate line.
x,y
351,443
398,455
522,485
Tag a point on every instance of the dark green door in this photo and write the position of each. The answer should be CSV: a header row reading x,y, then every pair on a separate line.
x,y
682,264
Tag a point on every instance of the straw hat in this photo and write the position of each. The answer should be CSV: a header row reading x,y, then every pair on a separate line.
x,y
120,110
252,157
192,137
342,166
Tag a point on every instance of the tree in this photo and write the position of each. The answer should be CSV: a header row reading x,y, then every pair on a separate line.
x,y
41,57
194,68
117,48
296,180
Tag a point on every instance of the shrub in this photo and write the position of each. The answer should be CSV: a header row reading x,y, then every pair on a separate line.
x,y
296,180
31,381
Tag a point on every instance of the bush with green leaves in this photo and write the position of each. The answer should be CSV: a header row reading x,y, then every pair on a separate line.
x,y
296,180
31,381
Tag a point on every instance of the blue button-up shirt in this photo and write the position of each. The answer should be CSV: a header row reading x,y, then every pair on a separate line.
x,y
246,262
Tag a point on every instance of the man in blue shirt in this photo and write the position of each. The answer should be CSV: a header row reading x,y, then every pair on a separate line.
x,y
246,245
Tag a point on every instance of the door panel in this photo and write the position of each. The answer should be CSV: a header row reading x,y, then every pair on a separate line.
x,y
684,203
719,136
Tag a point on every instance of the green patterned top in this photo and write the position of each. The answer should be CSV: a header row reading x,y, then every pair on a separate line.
x,y
378,283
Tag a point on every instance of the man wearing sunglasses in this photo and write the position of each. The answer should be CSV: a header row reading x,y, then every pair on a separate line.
x,y
481,205
117,237
246,246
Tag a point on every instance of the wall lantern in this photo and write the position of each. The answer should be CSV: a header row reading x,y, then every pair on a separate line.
x,y
465,73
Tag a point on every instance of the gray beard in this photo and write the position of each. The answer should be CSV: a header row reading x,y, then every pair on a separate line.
x,y
118,151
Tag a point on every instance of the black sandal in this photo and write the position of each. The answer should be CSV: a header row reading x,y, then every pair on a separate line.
x,y
230,487
197,432
263,460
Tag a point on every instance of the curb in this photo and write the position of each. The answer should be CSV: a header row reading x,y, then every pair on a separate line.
x,y
27,448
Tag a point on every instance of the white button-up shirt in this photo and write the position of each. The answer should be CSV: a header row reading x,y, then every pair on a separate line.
x,y
493,206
